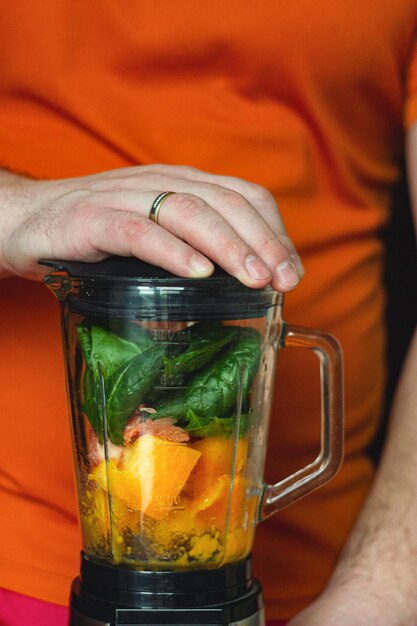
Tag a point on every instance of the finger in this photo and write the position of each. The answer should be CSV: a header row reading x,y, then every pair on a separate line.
x,y
203,184
126,233
276,250
192,219
260,199
294,256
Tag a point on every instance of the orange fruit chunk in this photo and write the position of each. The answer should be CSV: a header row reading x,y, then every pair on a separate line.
x,y
212,503
215,461
151,475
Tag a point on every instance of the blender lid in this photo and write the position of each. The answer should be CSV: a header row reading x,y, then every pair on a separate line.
x,y
128,287
131,268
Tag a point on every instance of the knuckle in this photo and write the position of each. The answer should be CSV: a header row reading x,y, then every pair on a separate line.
x,y
126,228
83,211
232,199
234,247
188,170
185,170
261,195
269,244
72,227
161,168
117,226
152,179
187,206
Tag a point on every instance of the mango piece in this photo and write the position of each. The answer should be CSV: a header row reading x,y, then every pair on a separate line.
x,y
125,487
212,495
212,503
215,461
152,474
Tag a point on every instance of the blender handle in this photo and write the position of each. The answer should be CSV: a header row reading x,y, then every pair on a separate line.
x,y
315,474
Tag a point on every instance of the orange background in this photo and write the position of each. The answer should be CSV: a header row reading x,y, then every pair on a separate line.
x,y
307,99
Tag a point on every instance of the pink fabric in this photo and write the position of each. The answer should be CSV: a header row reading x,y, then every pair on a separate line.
x,y
18,610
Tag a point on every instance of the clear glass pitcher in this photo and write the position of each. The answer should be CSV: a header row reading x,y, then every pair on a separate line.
x,y
170,382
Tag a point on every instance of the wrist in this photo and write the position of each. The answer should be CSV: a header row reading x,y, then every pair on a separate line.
x,y
18,200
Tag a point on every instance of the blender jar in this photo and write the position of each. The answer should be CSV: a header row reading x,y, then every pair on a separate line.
x,y
170,383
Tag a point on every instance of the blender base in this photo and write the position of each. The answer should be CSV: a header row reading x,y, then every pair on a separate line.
x,y
112,596
81,620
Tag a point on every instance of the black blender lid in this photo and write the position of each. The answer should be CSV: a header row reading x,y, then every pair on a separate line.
x,y
127,287
131,268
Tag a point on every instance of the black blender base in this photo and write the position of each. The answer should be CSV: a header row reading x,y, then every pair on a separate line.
x,y
81,620
112,596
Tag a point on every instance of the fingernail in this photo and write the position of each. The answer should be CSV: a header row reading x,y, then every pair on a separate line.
x,y
298,264
287,274
256,268
200,266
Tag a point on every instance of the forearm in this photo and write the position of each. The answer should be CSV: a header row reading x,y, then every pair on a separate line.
x,y
382,550
373,583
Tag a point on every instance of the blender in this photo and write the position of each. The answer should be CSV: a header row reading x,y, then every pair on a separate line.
x,y
170,383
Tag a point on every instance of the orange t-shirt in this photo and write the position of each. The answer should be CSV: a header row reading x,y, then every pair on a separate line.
x,y
305,98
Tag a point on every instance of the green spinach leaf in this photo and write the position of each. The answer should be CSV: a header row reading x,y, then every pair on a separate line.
x,y
131,332
214,391
129,387
207,339
172,405
101,346
213,426
110,351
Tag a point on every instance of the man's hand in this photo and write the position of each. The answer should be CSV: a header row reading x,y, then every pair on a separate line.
x,y
209,218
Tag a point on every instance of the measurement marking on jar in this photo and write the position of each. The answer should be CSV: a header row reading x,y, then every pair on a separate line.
x,y
172,337
170,343
171,380
171,388
171,503
173,508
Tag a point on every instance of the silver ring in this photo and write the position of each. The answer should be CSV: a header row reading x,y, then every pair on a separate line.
x,y
156,205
